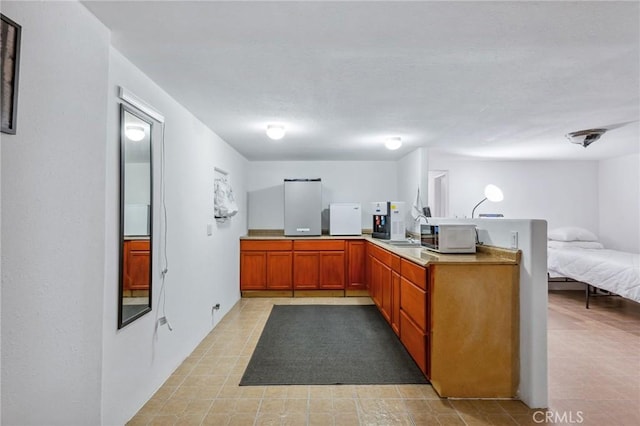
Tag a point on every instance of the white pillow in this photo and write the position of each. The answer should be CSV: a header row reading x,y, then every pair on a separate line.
x,y
577,244
571,233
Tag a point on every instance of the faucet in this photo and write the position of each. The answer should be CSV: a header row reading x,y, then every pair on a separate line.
x,y
420,215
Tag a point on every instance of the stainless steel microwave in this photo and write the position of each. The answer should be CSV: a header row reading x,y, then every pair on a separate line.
x,y
449,238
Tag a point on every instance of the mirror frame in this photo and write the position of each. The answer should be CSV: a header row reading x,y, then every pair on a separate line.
x,y
125,109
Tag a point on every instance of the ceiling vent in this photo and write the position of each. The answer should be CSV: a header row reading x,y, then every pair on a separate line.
x,y
585,137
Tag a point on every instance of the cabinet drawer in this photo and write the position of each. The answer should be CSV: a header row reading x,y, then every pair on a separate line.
x,y
395,263
265,245
138,244
414,273
413,301
381,254
414,340
318,245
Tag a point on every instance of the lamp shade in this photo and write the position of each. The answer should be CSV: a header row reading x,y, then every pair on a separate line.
x,y
493,193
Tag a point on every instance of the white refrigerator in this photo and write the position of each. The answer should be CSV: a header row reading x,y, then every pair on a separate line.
x,y
345,219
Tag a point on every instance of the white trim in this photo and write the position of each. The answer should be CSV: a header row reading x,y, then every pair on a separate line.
x,y
133,100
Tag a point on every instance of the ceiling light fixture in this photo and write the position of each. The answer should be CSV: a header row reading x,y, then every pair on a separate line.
x,y
275,131
134,132
585,137
393,143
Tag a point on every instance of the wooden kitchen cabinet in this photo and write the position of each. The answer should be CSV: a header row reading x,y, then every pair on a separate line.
x,y
306,270
414,319
457,316
374,279
319,265
381,290
356,263
266,265
136,264
415,341
395,302
332,270
279,270
474,332
381,287
395,294
253,270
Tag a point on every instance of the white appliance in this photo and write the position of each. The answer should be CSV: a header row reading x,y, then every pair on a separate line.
x,y
302,207
397,211
345,219
388,220
449,238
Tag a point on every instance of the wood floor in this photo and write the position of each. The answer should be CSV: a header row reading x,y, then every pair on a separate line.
x,y
594,378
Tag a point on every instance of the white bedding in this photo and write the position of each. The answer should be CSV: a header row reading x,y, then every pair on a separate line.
x,y
611,270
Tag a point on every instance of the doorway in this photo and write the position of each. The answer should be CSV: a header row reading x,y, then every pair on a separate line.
x,y
438,198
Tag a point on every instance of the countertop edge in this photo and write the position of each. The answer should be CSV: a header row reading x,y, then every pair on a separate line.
x,y
484,254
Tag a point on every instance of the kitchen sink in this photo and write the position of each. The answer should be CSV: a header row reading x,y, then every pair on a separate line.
x,y
406,243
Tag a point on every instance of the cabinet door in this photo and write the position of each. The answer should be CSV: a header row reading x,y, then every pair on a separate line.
x,y
385,292
253,270
332,269
395,302
415,340
279,270
356,265
306,270
375,276
138,265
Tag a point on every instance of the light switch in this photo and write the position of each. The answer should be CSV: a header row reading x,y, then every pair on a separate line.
x,y
209,229
514,239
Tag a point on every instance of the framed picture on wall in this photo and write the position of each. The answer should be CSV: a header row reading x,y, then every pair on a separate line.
x,y
10,53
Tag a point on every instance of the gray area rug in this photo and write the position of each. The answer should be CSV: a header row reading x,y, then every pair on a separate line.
x,y
329,344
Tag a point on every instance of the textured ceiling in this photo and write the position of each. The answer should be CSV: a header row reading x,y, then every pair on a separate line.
x,y
488,79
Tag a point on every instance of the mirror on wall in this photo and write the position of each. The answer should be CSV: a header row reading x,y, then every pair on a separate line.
x,y
136,207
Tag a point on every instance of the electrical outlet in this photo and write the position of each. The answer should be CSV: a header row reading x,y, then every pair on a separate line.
x,y
514,239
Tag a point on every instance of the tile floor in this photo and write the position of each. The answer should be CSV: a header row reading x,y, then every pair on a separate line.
x,y
594,379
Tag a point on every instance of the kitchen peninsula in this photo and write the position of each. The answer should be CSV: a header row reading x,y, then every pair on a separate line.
x,y
457,315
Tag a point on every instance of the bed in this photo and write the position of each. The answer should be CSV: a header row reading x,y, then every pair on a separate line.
x,y
580,257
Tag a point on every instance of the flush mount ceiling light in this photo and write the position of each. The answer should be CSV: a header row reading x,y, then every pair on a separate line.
x,y
275,131
585,137
134,132
393,143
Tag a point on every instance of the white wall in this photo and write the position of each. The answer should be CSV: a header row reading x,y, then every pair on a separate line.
x,y
564,193
342,181
203,270
619,202
53,179
413,174
9,137
63,359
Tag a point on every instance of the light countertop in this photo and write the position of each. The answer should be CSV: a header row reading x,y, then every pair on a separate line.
x,y
484,254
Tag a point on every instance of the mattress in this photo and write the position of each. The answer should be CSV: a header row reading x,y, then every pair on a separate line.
x,y
610,270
